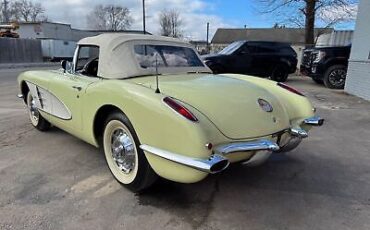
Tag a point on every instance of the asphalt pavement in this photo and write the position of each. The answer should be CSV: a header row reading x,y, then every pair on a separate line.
x,y
53,180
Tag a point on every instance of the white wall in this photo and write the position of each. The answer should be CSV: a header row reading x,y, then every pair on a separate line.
x,y
358,79
55,31
30,31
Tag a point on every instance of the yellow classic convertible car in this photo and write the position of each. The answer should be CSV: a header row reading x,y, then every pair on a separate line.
x,y
156,110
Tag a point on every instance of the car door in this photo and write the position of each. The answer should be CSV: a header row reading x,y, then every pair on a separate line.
x,y
69,89
263,58
241,61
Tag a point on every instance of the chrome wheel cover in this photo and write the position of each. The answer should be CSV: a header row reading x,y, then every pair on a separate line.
x,y
123,150
120,151
32,110
337,77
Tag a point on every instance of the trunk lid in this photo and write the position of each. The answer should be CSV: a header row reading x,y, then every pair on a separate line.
x,y
231,104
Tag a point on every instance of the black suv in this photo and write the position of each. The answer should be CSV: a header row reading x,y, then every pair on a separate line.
x,y
326,65
264,59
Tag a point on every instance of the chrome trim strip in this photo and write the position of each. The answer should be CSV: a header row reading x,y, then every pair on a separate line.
x,y
53,105
247,146
315,121
298,132
214,164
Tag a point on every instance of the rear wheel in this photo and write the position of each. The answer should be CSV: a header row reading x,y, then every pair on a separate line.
x,y
280,73
124,157
35,117
335,77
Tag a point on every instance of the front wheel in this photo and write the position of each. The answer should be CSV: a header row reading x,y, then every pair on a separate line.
x,y
125,159
335,77
35,117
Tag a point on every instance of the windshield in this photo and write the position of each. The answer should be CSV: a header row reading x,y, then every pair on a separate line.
x,y
166,56
232,47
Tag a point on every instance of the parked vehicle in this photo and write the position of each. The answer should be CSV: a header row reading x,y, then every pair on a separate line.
x,y
155,109
326,65
6,30
264,59
57,50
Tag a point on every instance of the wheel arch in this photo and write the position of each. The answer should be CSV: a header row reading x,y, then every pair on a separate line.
x,y
99,119
24,90
333,62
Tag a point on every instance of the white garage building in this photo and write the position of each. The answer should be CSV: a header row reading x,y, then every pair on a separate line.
x,y
358,79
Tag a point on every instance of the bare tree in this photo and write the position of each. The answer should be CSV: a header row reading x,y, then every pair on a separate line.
x,y
26,10
110,17
4,11
304,13
171,23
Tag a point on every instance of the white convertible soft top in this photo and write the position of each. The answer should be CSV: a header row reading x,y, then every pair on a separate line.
x,y
117,57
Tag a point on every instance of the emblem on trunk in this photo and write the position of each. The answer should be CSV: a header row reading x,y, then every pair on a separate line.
x,y
267,107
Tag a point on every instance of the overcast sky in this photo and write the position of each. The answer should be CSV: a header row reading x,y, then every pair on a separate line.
x,y
194,13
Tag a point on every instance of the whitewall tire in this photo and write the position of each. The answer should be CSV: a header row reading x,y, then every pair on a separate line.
x,y
35,117
125,159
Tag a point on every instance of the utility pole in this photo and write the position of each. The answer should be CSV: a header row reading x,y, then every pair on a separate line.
x,y
208,37
144,29
6,11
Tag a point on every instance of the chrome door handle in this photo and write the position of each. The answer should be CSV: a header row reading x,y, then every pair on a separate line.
x,y
79,88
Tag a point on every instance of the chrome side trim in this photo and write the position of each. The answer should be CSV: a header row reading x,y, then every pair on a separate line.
x,y
298,132
214,164
48,102
247,146
315,121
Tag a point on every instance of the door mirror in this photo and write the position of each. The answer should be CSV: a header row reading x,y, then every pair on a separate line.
x,y
67,66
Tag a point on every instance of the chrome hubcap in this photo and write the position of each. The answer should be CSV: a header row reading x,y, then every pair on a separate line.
x,y
33,110
337,77
123,150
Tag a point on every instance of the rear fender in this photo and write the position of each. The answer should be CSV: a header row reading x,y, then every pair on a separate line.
x,y
156,125
297,107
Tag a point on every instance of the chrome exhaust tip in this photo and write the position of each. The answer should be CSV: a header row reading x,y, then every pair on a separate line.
x,y
217,164
314,121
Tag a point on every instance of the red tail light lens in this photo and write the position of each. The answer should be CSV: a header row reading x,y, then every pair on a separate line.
x,y
289,88
180,109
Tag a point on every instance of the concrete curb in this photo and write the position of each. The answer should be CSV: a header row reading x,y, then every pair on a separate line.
x,y
28,65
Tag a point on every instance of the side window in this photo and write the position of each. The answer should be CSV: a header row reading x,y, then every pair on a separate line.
x,y
257,49
252,49
88,60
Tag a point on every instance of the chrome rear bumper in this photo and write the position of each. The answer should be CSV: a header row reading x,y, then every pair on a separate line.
x,y
246,147
214,164
218,161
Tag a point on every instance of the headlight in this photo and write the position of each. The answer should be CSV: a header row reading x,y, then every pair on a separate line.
x,y
319,56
